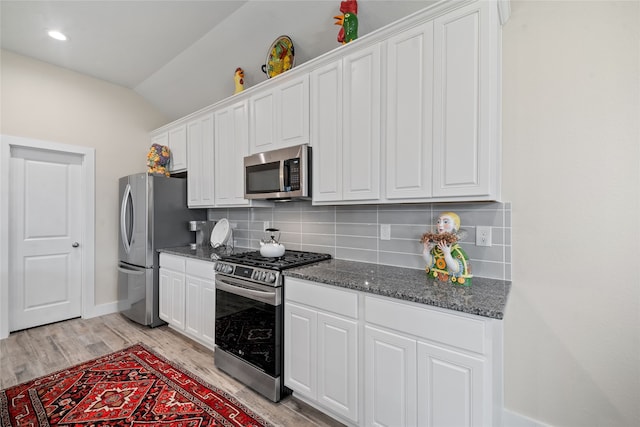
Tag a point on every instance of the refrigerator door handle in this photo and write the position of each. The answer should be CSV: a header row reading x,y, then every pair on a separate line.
x,y
126,270
124,235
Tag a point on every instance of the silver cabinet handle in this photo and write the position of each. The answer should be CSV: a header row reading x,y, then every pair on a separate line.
x,y
75,244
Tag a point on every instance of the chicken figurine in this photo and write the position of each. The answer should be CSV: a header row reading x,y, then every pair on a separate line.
x,y
348,21
238,78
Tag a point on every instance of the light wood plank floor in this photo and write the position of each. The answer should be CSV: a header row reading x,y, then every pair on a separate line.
x,y
35,352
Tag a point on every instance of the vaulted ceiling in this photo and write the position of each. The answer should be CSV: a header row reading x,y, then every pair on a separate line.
x,y
180,55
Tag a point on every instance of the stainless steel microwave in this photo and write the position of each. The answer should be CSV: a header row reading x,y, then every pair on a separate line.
x,y
278,174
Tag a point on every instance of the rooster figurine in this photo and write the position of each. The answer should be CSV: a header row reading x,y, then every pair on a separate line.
x,y
348,21
238,78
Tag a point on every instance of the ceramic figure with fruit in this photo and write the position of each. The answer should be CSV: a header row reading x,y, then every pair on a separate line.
x,y
445,259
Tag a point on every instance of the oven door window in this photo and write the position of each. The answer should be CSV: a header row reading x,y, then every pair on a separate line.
x,y
263,178
250,330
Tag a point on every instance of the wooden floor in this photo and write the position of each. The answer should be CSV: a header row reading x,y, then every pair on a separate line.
x,y
35,352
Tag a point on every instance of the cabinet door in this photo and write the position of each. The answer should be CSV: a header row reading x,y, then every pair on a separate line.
x,y
465,101
208,312
300,350
450,388
409,114
162,139
178,148
177,301
164,299
193,297
293,112
390,379
279,117
361,125
231,146
337,365
200,152
326,132
262,126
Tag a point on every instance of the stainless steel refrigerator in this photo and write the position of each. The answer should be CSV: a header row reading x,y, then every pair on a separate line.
x,y
153,215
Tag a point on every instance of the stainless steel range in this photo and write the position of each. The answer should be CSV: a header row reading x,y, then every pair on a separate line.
x,y
250,317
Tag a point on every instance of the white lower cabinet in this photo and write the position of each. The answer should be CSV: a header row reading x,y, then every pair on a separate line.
x,y
450,387
321,347
369,360
171,299
390,379
187,297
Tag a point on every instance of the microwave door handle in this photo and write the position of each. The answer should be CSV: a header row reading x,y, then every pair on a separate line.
x,y
282,166
286,179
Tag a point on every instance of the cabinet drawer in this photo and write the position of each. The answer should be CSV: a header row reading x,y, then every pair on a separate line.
x,y
327,298
172,262
202,269
426,323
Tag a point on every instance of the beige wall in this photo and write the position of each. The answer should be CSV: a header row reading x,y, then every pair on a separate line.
x,y
572,169
50,103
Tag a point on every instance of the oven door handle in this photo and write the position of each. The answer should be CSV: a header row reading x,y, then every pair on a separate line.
x,y
271,297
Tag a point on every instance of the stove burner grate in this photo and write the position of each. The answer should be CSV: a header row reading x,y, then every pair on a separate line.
x,y
290,259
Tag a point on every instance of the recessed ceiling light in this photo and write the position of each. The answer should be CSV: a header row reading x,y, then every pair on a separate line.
x,y
57,35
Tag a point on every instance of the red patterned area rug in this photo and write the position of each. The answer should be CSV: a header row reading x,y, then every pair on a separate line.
x,y
131,387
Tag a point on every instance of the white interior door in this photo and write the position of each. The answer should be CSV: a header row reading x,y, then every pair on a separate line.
x,y
45,258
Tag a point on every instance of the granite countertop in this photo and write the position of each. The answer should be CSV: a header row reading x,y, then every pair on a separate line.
x,y
485,297
206,253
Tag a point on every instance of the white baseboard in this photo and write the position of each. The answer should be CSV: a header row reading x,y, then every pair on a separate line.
x,y
513,419
101,310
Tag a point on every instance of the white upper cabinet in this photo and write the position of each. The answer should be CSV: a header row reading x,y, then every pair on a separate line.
x,y
231,146
346,128
174,137
200,153
465,125
279,115
178,148
326,133
361,125
409,113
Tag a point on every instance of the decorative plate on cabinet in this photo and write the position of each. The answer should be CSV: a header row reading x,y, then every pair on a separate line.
x,y
280,57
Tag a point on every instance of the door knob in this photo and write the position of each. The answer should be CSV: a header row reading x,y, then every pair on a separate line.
x,y
75,244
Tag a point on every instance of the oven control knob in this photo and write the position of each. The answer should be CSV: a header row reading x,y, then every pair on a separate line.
x,y
255,275
271,278
263,275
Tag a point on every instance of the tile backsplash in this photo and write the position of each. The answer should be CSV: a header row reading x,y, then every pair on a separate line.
x,y
353,232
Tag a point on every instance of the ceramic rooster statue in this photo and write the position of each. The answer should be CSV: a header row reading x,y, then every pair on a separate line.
x,y
238,78
348,21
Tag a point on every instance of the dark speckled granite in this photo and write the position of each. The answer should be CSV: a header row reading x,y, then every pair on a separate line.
x,y
486,297
203,254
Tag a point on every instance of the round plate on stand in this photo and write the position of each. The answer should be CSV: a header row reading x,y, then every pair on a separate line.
x,y
280,57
